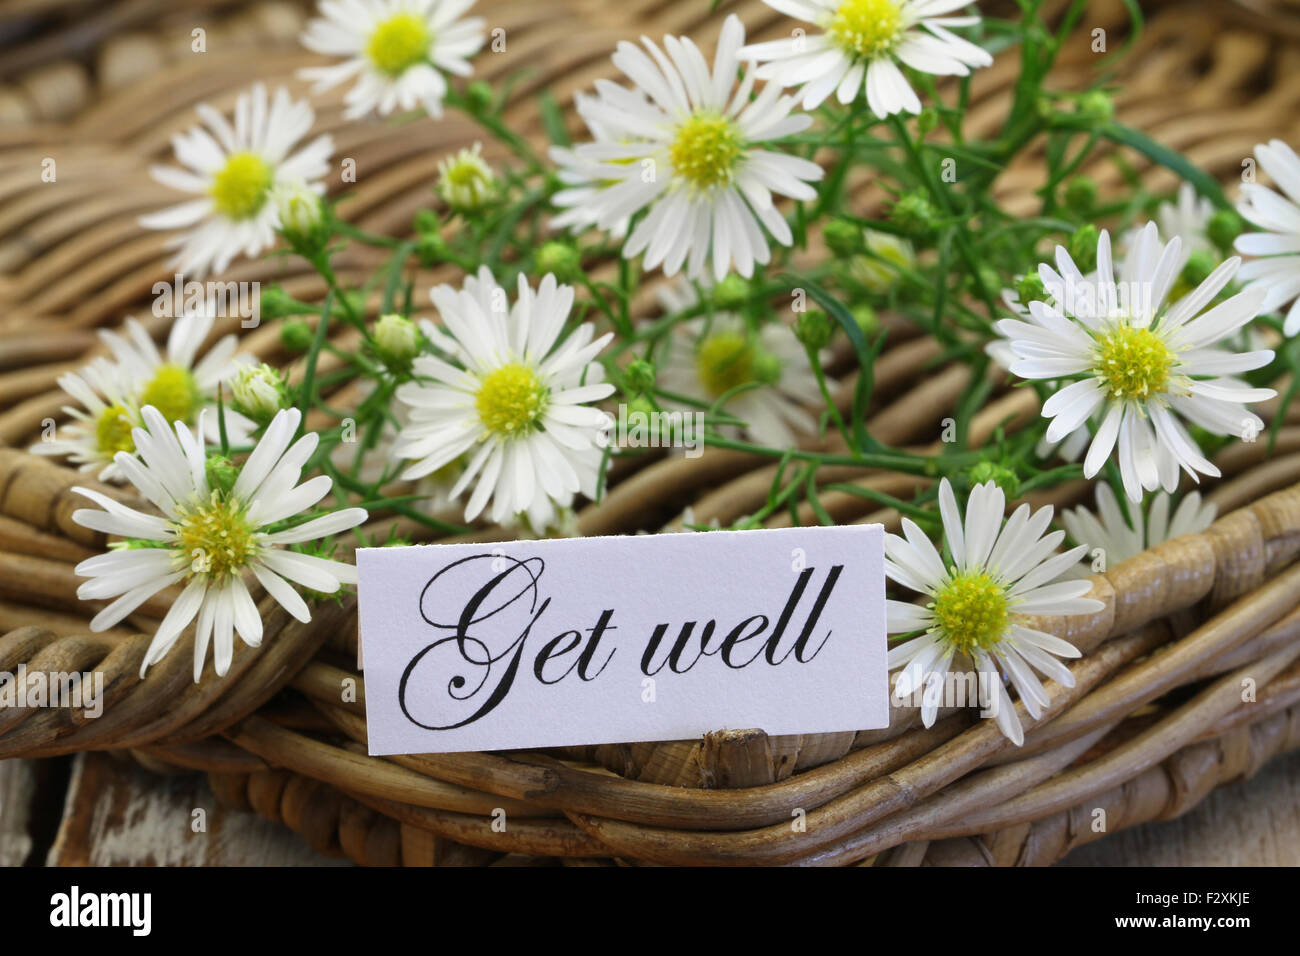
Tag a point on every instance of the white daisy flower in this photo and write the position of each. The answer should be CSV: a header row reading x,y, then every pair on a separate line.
x,y
112,392
1119,540
1187,218
101,426
515,404
1278,272
999,350
1139,366
689,152
211,538
179,384
704,358
582,175
996,572
862,46
397,49
235,171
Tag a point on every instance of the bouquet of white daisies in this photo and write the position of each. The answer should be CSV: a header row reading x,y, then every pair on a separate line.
x,y
718,176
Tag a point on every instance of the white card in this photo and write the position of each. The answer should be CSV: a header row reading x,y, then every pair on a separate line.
x,y
598,640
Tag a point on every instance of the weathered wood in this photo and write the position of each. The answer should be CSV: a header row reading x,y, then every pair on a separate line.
x,y
17,790
117,814
1252,823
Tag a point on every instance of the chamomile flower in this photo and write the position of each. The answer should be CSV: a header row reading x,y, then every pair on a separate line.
x,y
1278,245
179,383
1139,366
705,358
514,402
996,571
1119,539
999,350
465,182
210,535
1188,217
863,45
398,51
234,171
582,176
101,422
687,147
111,391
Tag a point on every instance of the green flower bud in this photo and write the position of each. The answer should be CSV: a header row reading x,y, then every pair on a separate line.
x,y
559,258
258,391
465,182
1081,194
300,213
432,249
296,336
1198,268
1083,247
767,367
397,340
1030,288
427,222
927,121
814,329
1096,105
642,405
990,281
354,300
914,213
274,303
221,473
842,237
1224,227
731,293
867,319
479,97
889,255
640,376
1000,475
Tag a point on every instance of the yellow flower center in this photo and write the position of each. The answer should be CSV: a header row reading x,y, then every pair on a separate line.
x,y
113,431
215,537
705,150
725,361
867,28
240,189
972,611
1133,363
398,43
173,392
511,400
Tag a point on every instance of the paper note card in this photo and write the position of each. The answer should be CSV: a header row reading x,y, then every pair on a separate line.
x,y
609,640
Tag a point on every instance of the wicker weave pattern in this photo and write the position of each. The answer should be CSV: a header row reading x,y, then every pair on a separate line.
x,y
1207,611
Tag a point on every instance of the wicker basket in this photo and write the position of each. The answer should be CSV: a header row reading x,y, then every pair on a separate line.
x,y
1190,676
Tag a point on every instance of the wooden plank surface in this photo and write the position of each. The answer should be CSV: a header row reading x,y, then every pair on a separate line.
x,y
1250,823
117,814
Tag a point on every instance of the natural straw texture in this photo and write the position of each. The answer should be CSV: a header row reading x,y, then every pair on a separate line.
x,y
1190,677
